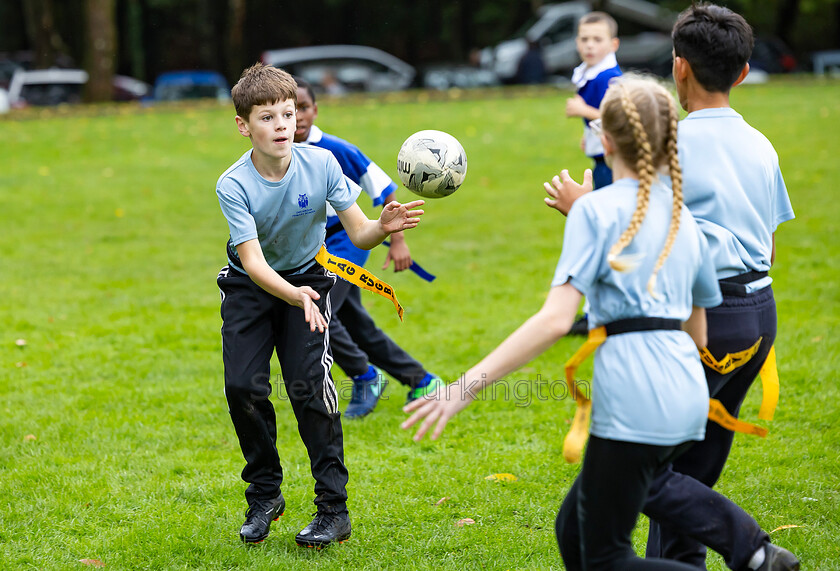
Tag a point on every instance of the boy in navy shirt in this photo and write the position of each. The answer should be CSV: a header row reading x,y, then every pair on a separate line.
x,y
355,339
275,297
596,43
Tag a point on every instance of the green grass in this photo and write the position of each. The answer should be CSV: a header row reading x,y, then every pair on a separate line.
x,y
113,238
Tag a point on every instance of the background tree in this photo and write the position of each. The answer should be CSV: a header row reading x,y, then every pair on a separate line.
x,y
100,49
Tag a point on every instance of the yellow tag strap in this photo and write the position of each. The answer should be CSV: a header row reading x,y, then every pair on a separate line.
x,y
769,386
357,275
596,338
719,414
579,432
730,361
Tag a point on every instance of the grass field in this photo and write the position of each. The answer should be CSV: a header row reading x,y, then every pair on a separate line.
x,y
115,442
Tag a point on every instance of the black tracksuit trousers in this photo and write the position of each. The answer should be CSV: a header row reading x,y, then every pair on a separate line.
x,y
255,324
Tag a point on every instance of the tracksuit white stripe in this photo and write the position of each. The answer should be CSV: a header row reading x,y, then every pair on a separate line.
x,y
330,393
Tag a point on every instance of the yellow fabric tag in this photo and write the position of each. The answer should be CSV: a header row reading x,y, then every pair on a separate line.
x,y
769,374
769,386
730,361
579,432
357,275
719,414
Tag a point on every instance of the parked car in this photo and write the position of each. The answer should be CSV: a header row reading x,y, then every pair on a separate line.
x,y
645,43
46,87
190,84
344,68
443,77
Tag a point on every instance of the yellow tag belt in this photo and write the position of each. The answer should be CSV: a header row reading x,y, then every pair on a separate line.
x,y
579,432
357,275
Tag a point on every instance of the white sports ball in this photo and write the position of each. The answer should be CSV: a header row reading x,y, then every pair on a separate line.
x,y
432,164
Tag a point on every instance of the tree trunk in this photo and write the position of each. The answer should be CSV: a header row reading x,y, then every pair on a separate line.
x,y
42,33
236,39
786,20
100,49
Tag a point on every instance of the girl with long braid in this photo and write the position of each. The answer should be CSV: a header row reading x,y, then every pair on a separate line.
x,y
637,254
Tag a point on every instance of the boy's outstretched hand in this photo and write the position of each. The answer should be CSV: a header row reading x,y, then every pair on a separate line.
x,y
438,407
563,191
395,216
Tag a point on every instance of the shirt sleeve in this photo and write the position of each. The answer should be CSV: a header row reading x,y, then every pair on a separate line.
x,y
234,207
706,290
377,184
782,208
583,250
339,193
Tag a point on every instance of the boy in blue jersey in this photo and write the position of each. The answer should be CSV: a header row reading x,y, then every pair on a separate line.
x,y
597,42
355,340
275,297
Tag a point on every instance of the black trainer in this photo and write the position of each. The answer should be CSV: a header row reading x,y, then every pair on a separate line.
x,y
778,559
259,516
326,528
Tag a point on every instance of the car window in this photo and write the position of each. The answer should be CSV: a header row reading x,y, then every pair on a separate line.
x,y
562,30
51,93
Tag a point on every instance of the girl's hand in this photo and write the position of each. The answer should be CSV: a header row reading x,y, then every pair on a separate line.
x,y
563,191
438,407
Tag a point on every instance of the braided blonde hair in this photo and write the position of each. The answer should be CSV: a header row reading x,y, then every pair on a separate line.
x,y
640,118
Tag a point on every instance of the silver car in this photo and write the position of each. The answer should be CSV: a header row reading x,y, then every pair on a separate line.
x,y
339,69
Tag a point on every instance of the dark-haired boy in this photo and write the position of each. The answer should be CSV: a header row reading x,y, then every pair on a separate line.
x,y
358,346
733,186
276,297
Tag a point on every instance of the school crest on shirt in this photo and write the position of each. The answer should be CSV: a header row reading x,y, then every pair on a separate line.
x,y
303,206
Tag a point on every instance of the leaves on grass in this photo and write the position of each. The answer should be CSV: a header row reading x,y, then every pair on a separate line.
x,y
92,562
30,438
20,364
790,525
465,521
501,477
440,501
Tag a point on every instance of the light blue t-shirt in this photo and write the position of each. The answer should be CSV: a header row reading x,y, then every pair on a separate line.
x,y
647,387
733,186
288,216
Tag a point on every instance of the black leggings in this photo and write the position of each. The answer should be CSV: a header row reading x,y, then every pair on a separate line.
x,y
595,523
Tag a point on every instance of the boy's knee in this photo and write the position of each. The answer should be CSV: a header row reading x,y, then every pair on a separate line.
x,y
248,387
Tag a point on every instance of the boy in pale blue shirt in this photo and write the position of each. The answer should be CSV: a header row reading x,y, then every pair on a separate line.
x,y
735,190
275,298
